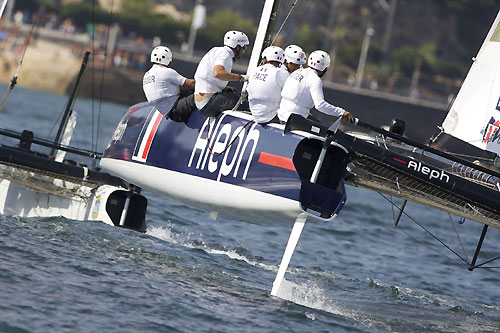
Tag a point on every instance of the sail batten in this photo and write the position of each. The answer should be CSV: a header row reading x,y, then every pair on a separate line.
x,y
474,116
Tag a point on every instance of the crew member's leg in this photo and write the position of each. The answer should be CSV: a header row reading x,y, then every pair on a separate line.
x,y
225,100
183,108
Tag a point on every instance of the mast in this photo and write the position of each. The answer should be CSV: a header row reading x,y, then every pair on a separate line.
x,y
264,32
262,40
71,102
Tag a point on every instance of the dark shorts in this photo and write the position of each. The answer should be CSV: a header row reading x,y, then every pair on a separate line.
x,y
185,105
221,101
183,108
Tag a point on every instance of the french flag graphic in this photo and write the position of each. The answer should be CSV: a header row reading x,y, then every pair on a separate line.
x,y
142,154
491,130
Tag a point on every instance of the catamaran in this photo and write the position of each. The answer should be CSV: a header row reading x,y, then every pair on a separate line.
x,y
33,184
296,172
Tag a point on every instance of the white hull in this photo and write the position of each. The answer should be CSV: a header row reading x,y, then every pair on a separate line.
x,y
213,196
28,193
19,200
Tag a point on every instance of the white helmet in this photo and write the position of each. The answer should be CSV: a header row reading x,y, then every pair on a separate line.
x,y
273,53
234,38
319,60
295,55
161,55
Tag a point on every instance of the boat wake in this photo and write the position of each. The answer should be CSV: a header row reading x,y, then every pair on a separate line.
x,y
166,234
431,311
399,316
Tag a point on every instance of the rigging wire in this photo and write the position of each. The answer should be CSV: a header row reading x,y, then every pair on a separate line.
x,y
56,122
392,207
102,73
458,236
301,17
284,22
93,70
441,130
14,79
487,261
430,233
442,243
13,82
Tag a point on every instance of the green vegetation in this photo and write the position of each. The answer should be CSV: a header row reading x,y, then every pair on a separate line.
x,y
221,22
471,14
308,39
404,64
81,14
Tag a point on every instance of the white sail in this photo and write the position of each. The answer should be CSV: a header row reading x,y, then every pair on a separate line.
x,y
474,116
2,7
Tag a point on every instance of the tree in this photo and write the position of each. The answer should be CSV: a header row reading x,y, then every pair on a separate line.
x,y
221,22
307,39
139,8
425,53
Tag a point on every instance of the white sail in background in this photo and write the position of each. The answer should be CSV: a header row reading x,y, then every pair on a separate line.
x,y
2,7
474,116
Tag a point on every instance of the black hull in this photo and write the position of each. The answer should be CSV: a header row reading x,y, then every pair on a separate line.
x,y
383,170
77,173
397,166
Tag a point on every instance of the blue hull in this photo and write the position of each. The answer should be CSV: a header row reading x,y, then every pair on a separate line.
x,y
231,151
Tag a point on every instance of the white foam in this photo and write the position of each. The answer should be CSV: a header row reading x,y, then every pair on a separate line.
x,y
310,295
164,233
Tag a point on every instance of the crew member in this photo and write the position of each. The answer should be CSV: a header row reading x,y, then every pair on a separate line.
x,y
303,89
214,72
295,57
265,84
163,85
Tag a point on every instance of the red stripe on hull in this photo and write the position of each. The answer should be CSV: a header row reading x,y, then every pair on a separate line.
x,y
277,161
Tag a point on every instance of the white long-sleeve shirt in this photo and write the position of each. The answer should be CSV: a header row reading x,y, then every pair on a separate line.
x,y
264,91
303,90
204,75
161,84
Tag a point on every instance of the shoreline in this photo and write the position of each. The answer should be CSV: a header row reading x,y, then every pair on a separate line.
x,y
47,66
53,67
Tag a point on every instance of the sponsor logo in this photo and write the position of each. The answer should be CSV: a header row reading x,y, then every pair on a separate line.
x,y
490,133
120,129
242,141
425,170
431,173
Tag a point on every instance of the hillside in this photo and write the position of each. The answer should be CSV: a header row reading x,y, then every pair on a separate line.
x,y
424,53
456,27
430,41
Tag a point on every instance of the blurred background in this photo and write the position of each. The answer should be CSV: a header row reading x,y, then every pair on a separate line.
x,y
412,52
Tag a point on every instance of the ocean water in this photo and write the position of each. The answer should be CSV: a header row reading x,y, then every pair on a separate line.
x,y
189,273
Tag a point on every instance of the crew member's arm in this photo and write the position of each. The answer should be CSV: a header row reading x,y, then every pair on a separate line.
x,y
188,85
323,106
221,74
